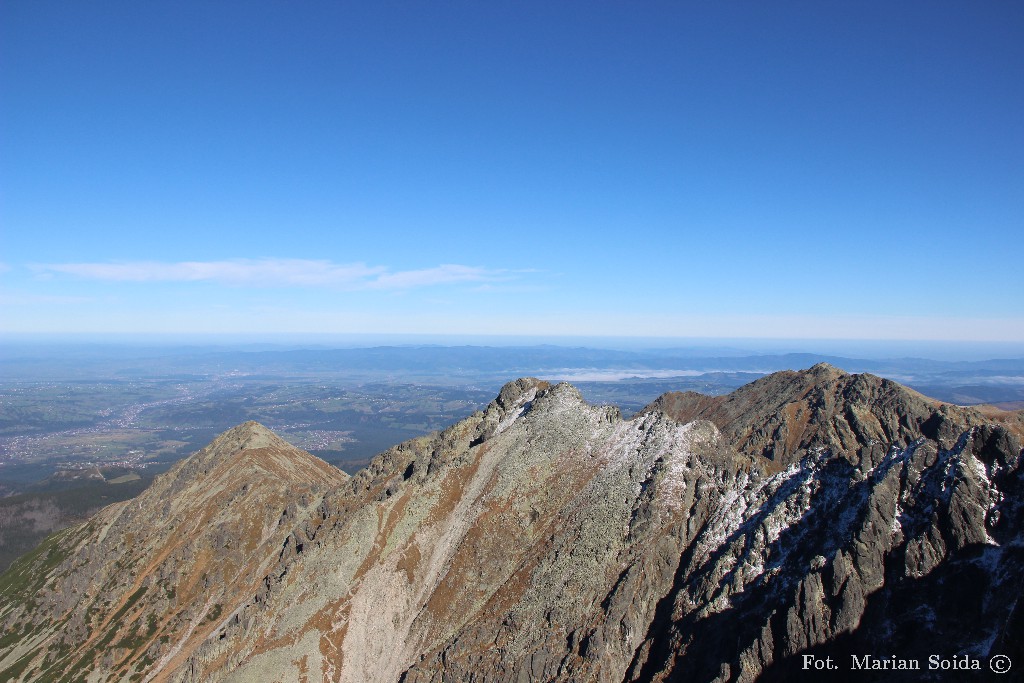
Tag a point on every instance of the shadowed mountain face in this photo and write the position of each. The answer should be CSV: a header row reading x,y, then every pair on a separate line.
x,y
543,538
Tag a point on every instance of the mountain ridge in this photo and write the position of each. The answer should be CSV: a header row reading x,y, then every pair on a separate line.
x,y
546,539
213,514
785,413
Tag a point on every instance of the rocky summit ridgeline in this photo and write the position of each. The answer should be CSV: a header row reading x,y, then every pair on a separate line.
x,y
808,518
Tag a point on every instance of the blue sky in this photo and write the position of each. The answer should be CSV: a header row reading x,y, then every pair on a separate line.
x,y
725,169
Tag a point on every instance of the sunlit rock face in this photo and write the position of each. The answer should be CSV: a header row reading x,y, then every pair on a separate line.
x,y
546,539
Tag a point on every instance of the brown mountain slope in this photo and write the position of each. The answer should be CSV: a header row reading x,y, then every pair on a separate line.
x,y
783,415
145,579
1012,419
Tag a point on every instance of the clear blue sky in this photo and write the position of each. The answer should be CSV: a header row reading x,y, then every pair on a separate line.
x,y
740,169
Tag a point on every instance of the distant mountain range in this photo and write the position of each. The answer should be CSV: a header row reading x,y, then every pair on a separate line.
x,y
962,382
809,520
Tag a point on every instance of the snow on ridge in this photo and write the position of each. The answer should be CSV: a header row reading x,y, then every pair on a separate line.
x,y
896,527
770,508
522,405
895,455
643,434
979,469
739,506
656,443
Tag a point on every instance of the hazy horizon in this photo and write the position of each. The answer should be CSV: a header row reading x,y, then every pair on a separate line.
x,y
704,346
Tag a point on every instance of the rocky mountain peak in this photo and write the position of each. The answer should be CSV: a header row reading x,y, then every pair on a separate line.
x,y
158,571
249,437
247,453
785,414
826,371
251,434
706,538
518,391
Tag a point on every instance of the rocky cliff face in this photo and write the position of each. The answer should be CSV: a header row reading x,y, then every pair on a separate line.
x,y
545,539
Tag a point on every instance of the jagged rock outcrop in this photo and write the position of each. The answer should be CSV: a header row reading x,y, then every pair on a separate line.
x,y
546,539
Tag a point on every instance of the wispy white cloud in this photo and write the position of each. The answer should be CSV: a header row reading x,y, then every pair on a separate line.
x,y
19,299
441,275
275,272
